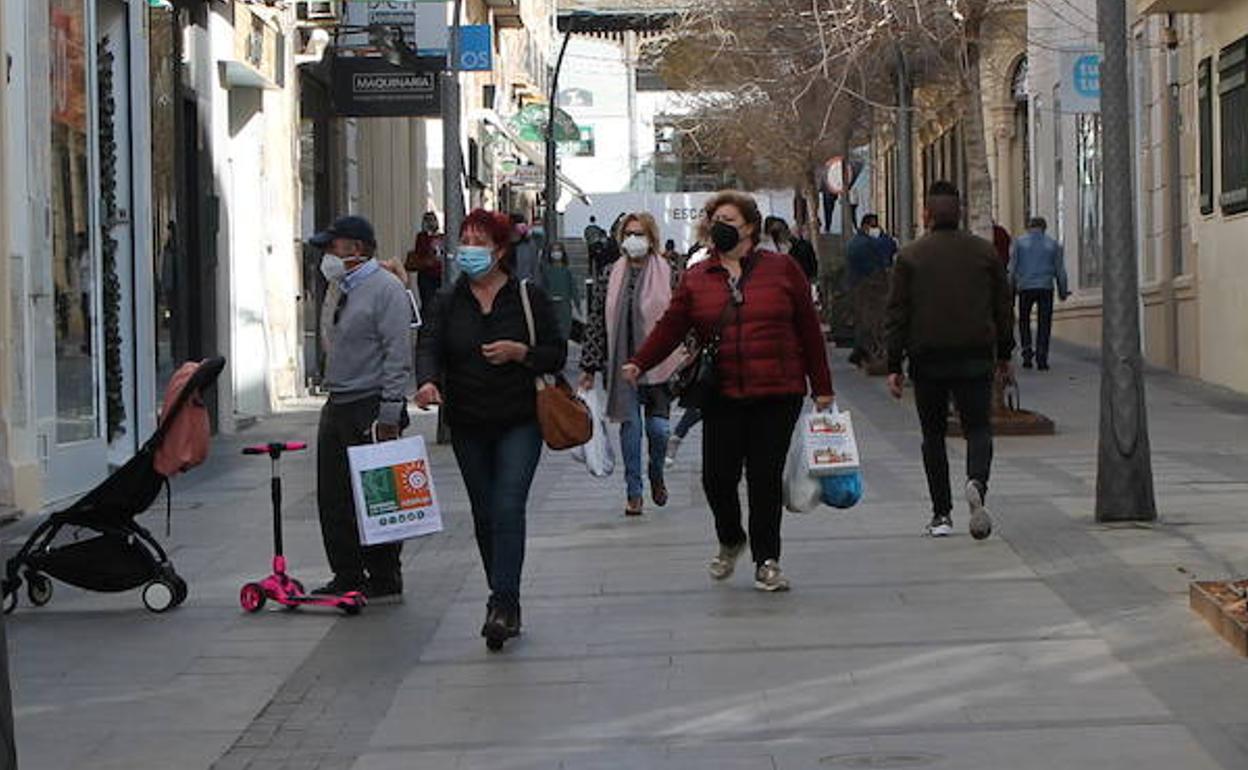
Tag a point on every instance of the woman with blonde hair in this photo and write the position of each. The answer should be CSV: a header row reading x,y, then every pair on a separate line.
x,y
770,354
628,305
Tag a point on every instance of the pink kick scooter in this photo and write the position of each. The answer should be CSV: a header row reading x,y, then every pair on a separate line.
x,y
281,587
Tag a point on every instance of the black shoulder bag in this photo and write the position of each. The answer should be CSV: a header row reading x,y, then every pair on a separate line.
x,y
698,380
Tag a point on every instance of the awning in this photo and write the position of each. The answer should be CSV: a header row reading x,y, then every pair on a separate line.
x,y
492,117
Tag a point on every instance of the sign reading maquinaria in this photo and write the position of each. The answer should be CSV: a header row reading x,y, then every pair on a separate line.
x,y
365,86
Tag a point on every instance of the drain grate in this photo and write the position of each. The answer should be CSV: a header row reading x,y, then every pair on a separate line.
x,y
880,761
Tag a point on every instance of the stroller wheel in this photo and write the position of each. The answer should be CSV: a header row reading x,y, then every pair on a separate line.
x,y
10,601
252,597
38,588
159,595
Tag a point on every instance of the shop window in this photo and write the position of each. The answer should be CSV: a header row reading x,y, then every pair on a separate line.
x,y
1088,169
1204,99
1233,117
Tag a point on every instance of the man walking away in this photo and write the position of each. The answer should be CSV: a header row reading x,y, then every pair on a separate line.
x,y
1036,263
949,313
369,361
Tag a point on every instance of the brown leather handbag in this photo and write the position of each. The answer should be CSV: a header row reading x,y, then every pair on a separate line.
x,y
564,419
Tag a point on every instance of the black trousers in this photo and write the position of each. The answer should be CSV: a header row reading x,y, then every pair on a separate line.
x,y
342,426
973,398
1043,299
753,435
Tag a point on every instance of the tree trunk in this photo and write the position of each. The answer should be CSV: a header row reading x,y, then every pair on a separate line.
x,y
979,196
1124,473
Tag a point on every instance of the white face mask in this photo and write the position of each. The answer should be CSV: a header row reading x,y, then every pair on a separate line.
x,y
332,267
635,246
874,232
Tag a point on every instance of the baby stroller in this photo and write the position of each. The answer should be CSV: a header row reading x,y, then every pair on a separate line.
x,y
120,554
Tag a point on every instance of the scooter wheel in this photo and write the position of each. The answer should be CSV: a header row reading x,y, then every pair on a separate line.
x,y
252,597
38,588
159,595
351,608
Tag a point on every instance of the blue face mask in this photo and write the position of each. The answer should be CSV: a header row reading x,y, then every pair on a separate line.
x,y
475,261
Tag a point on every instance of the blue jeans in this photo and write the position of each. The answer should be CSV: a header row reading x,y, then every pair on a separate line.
x,y
498,469
657,429
690,418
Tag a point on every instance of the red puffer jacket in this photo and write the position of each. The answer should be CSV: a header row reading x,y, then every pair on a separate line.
x,y
771,347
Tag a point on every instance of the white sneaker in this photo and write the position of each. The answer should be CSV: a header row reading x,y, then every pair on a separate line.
x,y
940,526
673,446
725,561
981,522
769,578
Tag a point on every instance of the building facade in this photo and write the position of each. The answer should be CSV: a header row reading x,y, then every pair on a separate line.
x,y
1190,129
150,155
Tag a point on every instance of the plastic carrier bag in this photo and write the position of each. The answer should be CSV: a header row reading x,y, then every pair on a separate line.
x,y
597,454
802,491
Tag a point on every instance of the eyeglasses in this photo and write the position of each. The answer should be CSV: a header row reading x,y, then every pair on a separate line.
x,y
342,302
634,232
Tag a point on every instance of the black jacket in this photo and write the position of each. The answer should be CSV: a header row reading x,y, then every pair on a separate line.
x,y
478,394
949,307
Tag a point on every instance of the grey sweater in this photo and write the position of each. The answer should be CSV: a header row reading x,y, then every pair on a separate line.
x,y
369,350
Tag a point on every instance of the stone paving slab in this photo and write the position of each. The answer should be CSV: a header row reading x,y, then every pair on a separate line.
x,y
1058,643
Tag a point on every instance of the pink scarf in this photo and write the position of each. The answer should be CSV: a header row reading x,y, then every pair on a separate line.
x,y
654,294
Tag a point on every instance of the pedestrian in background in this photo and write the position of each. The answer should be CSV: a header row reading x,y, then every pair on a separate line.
x,y
565,292
949,313
869,255
369,360
424,261
1036,265
771,346
525,259
628,305
474,358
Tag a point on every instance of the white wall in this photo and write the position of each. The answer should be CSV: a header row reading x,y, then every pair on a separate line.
x,y
677,214
596,68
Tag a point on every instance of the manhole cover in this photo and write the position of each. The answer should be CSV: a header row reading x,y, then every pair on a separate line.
x,y
909,759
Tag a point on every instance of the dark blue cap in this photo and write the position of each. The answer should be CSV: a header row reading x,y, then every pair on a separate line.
x,y
355,228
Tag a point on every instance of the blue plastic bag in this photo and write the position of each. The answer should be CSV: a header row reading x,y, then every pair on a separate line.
x,y
843,490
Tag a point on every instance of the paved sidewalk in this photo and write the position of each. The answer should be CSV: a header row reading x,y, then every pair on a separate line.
x,y
1058,643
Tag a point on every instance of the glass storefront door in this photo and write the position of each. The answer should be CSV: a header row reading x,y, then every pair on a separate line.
x,y
69,371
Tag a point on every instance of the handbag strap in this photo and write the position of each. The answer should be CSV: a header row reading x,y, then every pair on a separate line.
x,y
528,311
541,381
730,304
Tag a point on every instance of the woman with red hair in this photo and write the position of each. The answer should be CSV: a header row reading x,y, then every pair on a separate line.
x,y
474,358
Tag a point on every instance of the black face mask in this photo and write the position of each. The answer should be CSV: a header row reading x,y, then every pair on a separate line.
x,y
725,237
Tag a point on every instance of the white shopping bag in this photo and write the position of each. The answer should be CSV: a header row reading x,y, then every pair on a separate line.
x,y
597,454
802,491
393,488
829,446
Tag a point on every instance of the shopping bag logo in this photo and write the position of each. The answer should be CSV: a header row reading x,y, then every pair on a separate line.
x,y
381,496
412,479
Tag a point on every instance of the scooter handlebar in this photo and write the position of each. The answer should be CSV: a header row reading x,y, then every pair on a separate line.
x,y
275,447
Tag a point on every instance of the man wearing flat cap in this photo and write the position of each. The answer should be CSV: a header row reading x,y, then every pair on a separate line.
x,y
368,364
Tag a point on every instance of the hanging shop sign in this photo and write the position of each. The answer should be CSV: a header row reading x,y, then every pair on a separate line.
x,y
1082,70
364,86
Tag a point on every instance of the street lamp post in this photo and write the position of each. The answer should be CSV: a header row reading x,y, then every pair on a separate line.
x,y
1124,473
551,186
